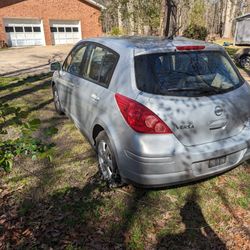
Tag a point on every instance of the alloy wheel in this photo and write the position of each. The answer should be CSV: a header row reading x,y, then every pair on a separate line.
x,y
105,160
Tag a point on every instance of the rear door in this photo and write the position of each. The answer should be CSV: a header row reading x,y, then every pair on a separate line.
x,y
93,90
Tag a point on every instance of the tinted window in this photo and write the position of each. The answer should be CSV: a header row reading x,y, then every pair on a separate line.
x,y
28,29
108,65
36,29
60,29
53,29
101,65
19,29
95,63
73,62
9,29
185,73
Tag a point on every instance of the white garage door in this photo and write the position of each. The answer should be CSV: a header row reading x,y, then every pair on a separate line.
x,y
65,32
24,32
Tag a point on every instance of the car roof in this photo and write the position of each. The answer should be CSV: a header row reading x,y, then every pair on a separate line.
x,y
149,44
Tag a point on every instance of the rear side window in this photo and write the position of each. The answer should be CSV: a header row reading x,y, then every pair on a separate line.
x,y
95,63
101,65
186,73
73,63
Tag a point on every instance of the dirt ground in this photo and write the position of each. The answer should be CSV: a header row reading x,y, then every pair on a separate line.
x,y
63,204
16,59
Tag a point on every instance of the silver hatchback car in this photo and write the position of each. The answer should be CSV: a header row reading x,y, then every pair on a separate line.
x,y
158,112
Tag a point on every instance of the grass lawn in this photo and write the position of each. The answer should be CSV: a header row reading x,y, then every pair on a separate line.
x,y
62,204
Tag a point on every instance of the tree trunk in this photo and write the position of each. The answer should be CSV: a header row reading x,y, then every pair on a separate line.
x,y
230,12
131,17
163,17
168,17
119,14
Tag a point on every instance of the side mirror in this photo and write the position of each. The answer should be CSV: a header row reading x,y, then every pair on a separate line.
x,y
55,66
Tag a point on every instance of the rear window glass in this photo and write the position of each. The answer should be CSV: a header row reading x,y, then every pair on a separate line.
x,y
185,73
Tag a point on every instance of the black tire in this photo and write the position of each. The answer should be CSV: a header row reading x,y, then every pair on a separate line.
x,y
57,102
245,61
107,166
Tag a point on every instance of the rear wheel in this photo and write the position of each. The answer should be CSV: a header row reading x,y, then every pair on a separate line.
x,y
57,103
245,61
107,163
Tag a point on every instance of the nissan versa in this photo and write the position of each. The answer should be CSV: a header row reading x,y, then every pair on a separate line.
x,y
158,112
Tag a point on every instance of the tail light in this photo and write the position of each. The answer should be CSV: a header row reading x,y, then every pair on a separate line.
x,y
140,118
195,47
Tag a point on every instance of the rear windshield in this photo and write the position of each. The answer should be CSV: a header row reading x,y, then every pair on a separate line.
x,y
186,73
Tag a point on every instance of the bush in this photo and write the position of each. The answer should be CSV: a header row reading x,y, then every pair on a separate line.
x,y
24,144
195,32
116,32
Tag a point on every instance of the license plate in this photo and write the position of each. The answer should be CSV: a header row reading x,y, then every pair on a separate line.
x,y
217,162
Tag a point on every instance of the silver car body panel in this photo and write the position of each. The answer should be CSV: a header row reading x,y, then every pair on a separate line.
x,y
159,160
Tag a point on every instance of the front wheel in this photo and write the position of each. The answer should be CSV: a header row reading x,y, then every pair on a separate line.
x,y
107,163
57,103
245,61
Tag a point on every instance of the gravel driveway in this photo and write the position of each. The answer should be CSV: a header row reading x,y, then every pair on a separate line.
x,y
14,60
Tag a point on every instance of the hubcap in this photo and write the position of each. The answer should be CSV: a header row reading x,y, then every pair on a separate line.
x,y
245,62
105,160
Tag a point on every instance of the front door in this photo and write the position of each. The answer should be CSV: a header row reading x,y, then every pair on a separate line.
x,y
69,80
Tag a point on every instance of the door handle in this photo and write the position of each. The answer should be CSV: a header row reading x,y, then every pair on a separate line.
x,y
95,98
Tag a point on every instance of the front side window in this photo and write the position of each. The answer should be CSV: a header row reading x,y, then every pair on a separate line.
x,y
101,65
186,73
73,62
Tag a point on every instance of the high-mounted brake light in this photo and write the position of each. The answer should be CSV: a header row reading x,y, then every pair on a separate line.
x,y
140,118
195,47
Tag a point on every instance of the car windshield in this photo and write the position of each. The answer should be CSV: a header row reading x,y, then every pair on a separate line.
x,y
186,73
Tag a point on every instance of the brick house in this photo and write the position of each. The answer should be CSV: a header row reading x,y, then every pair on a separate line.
x,y
48,22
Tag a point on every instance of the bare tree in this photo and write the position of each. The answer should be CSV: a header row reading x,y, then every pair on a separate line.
x,y
168,17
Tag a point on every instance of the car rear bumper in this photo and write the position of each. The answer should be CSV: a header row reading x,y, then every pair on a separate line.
x,y
183,164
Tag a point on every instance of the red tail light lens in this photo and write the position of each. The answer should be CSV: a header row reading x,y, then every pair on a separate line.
x,y
140,118
196,47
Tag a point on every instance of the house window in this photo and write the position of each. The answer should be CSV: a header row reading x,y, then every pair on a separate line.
x,y
53,29
9,29
68,29
61,29
36,29
28,29
19,29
